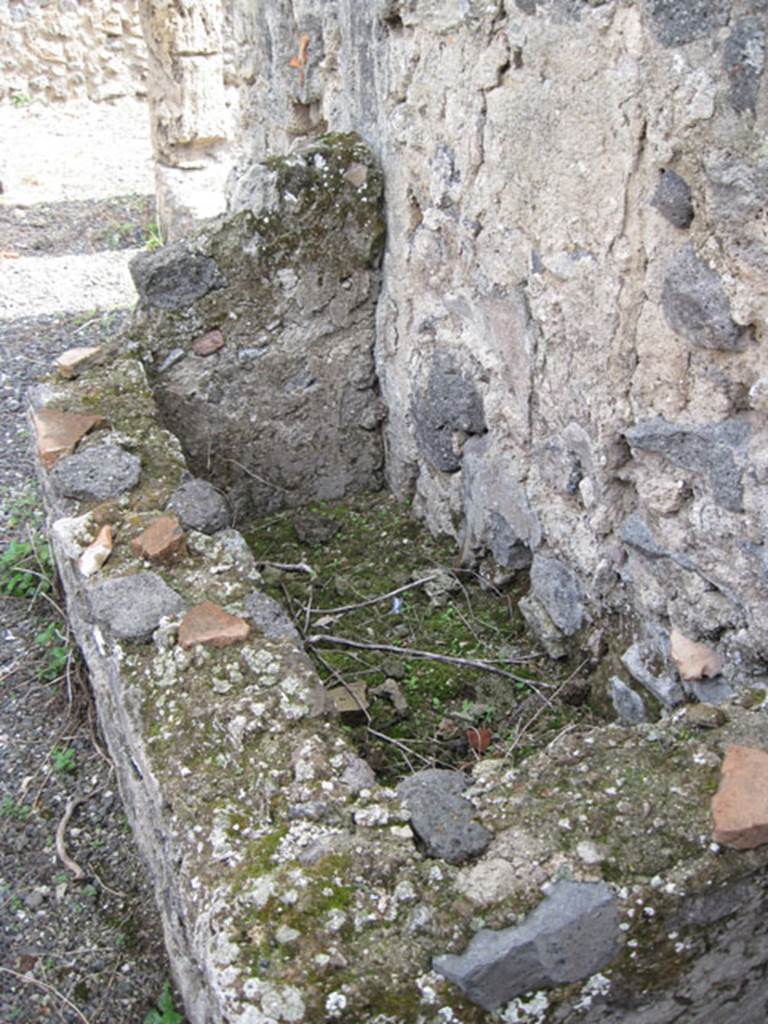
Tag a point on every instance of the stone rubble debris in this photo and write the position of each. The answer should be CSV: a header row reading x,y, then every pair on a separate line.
x,y
441,818
96,474
270,618
665,689
199,506
628,705
71,363
705,716
350,701
131,607
208,343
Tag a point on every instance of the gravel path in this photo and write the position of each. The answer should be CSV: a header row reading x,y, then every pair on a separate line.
x,y
71,950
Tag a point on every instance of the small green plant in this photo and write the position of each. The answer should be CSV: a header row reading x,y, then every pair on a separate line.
x,y
57,652
20,99
26,569
164,1012
154,237
9,808
64,760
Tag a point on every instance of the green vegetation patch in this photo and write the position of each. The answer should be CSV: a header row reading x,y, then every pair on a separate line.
x,y
448,671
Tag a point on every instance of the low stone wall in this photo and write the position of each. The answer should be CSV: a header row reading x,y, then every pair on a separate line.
x,y
582,885
62,50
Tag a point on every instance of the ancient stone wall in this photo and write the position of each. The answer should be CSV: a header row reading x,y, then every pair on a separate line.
x,y
259,330
586,884
63,50
572,327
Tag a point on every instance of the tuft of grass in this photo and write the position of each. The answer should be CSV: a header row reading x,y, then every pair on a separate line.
x,y
57,652
154,237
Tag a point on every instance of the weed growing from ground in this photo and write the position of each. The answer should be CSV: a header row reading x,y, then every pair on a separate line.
x,y
57,652
64,760
154,237
164,1012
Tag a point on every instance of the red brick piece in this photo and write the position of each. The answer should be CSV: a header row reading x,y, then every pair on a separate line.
x,y
208,343
163,541
58,433
209,624
740,806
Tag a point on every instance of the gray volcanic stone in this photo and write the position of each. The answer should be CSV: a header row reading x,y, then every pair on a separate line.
x,y
573,933
95,474
663,687
131,606
559,591
672,198
695,304
636,533
541,625
743,63
677,22
440,816
712,450
628,705
199,506
270,617
449,404
174,277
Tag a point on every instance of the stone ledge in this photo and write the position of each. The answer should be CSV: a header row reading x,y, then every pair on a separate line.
x,y
288,881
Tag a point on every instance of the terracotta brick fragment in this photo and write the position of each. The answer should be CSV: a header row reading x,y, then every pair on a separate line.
x,y
75,360
208,343
210,625
58,433
163,541
740,806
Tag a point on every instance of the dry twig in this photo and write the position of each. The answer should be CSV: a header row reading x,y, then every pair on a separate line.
x,y
29,980
61,849
446,659
373,600
289,567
